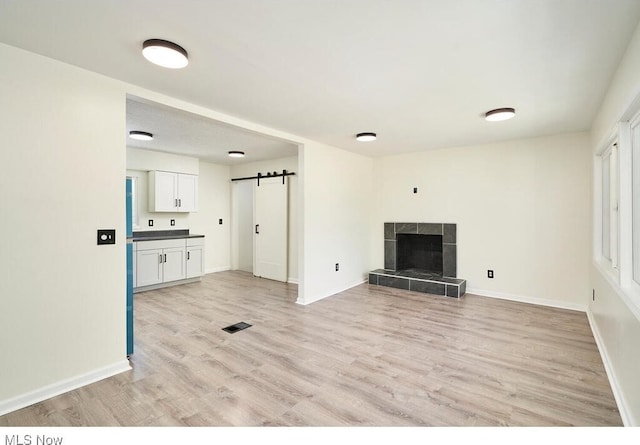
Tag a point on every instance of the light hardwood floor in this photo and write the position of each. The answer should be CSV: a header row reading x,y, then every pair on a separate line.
x,y
370,356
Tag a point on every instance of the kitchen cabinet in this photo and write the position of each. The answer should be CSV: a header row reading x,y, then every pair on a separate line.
x,y
172,192
160,261
195,257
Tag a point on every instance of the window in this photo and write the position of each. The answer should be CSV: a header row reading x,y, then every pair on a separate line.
x,y
610,206
617,221
635,198
606,205
134,201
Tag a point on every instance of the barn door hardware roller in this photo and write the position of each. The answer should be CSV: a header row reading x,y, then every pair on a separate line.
x,y
268,175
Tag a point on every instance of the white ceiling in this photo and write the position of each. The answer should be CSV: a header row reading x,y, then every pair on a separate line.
x,y
420,73
177,131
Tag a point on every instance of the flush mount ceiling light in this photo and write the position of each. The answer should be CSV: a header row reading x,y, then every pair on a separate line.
x,y
500,114
366,137
236,154
140,135
165,53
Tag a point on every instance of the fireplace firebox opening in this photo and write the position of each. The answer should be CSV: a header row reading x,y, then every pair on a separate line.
x,y
419,252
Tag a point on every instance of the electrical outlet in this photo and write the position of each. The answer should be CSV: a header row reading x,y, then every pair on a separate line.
x,y
337,267
106,236
489,274
173,222
150,223
220,221
415,190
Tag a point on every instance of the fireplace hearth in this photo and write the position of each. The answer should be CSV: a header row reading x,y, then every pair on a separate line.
x,y
420,257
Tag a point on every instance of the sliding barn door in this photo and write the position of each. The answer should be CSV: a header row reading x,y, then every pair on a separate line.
x,y
270,236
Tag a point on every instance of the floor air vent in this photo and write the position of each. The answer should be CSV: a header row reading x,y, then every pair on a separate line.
x,y
236,327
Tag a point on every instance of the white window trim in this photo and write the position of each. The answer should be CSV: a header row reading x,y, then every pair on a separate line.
x,y
620,277
614,202
626,200
609,267
608,157
135,202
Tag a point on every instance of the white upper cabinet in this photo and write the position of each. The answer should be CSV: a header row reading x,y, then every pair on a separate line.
x,y
172,192
187,193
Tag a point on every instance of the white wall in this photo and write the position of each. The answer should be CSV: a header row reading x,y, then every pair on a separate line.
x,y
624,88
335,219
139,159
617,328
139,163
242,227
62,321
522,209
213,202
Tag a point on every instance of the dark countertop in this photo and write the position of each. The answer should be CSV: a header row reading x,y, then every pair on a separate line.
x,y
154,235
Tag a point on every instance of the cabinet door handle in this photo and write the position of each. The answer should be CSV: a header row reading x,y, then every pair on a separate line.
x,y
179,202
160,259
176,200
258,229
164,260
188,255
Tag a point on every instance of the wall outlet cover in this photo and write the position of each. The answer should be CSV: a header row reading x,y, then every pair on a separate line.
x,y
106,236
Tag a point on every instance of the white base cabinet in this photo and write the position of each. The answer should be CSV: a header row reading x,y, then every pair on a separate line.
x,y
148,267
165,261
173,264
195,257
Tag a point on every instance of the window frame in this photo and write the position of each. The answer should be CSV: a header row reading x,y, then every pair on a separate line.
x,y
135,211
609,153
626,136
633,160
606,161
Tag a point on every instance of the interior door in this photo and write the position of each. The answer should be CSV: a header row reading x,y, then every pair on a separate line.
x,y
270,217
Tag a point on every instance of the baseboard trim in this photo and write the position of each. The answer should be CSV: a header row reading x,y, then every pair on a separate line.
x,y
291,280
55,389
217,269
615,388
167,284
331,293
527,299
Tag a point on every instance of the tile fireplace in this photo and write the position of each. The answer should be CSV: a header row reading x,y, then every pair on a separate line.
x,y
420,257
